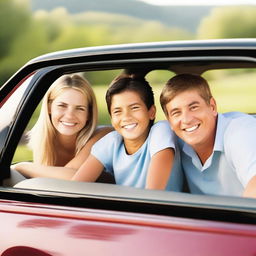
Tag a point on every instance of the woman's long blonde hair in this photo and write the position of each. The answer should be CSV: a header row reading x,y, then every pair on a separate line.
x,y
42,135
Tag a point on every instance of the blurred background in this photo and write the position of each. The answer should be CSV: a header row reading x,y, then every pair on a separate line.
x,y
29,28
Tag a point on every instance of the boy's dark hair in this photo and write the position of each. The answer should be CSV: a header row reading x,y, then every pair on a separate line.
x,y
127,82
130,83
181,83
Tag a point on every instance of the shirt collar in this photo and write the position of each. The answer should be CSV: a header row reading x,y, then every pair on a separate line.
x,y
222,122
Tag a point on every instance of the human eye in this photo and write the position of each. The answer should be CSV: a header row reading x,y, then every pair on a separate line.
x,y
80,108
135,107
61,105
175,113
194,107
116,112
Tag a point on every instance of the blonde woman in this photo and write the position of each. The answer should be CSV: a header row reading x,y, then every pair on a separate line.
x,y
65,130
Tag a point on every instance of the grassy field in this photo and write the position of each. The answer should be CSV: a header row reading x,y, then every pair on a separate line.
x,y
235,92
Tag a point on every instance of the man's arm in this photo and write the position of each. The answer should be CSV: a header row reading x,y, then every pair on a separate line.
x,y
250,189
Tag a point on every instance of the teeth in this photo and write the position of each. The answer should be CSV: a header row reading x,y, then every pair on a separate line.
x,y
68,124
191,128
129,126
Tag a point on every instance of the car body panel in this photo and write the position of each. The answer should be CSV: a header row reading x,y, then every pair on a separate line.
x,y
73,231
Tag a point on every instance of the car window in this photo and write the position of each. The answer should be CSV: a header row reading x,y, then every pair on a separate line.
x,y
228,87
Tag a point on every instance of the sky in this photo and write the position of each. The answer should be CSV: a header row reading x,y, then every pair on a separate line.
x,y
200,2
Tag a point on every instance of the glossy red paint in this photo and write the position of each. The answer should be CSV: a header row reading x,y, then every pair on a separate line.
x,y
77,231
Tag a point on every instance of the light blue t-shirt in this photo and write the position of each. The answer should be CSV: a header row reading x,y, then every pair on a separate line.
x,y
233,161
131,170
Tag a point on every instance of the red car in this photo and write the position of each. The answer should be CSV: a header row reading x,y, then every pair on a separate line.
x,y
44,216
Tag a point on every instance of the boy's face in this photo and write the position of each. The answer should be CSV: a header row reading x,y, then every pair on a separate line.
x,y
130,116
192,119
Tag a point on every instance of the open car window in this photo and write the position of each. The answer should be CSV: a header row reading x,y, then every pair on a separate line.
x,y
225,85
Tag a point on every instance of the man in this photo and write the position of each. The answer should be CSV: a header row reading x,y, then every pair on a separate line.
x,y
218,151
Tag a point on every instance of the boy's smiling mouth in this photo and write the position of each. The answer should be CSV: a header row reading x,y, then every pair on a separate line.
x,y
129,126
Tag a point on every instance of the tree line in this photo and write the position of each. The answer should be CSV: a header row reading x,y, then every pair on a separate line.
x,y
26,34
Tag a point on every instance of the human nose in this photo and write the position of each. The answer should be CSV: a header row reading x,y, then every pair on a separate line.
x,y
126,114
70,112
186,117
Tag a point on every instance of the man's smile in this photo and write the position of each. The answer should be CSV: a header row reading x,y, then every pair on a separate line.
x,y
192,128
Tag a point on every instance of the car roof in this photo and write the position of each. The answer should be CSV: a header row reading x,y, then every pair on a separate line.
x,y
193,56
191,45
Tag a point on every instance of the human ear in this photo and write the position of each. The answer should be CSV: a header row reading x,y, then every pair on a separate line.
x,y
213,105
152,112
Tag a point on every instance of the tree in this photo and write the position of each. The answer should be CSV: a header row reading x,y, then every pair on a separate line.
x,y
14,20
21,37
229,22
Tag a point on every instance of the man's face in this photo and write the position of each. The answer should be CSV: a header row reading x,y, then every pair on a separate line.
x,y
192,119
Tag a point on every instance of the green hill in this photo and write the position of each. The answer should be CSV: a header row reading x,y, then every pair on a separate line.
x,y
185,17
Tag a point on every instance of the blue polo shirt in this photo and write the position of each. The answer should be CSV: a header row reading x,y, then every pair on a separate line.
x,y
131,170
233,161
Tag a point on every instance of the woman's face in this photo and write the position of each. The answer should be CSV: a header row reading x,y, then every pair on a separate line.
x,y
69,112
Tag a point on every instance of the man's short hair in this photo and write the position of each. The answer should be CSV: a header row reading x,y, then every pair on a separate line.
x,y
181,83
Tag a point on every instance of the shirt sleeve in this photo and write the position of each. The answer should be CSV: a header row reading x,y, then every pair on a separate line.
x,y
103,150
240,147
161,137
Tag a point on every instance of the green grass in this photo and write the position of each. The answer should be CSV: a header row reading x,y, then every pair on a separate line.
x,y
233,92
23,153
